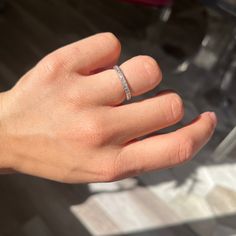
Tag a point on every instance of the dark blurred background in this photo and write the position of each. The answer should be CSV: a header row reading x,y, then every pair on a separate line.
x,y
195,44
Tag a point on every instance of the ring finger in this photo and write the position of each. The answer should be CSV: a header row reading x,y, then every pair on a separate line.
x,y
105,88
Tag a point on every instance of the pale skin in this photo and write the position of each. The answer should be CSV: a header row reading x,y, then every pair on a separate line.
x,y
65,119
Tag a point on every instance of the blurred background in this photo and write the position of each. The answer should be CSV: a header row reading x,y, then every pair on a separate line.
x,y
195,45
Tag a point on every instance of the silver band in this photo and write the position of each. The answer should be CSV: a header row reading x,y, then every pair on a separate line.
x,y
124,82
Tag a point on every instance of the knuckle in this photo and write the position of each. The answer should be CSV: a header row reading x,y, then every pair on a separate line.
x,y
176,107
121,167
152,69
112,39
51,63
185,151
109,40
95,132
109,175
114,169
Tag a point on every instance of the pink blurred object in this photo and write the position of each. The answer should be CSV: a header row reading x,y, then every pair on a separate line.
x,y
151,2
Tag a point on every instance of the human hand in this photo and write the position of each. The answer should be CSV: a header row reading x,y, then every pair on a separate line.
x,y
64,120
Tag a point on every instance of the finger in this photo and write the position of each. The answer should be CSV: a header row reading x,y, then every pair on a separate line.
x,y
137,119
166,150
105,88
87,55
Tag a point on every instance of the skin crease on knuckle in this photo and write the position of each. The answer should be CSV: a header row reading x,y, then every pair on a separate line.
x,y
177,107
174,107
122,167
185,151
152,69
173,110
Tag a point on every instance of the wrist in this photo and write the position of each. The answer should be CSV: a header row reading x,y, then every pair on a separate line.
x,y
6,149
6,156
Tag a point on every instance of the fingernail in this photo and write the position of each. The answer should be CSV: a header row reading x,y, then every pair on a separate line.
x,y
213,117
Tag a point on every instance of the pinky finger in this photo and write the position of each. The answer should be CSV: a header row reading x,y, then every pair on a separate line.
x,y
167,150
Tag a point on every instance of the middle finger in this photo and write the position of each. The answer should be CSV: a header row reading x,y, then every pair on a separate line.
x,y
137,119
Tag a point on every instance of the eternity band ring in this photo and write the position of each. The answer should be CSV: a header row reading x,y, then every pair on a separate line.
x,y
124,82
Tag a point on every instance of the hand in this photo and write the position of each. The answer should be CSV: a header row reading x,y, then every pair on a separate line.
x,y
64,120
